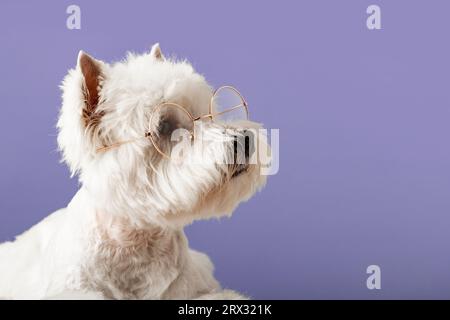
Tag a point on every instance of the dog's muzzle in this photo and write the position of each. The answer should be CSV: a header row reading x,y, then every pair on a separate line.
x,y
243,149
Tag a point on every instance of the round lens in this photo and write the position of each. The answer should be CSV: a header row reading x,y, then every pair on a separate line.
x,y
171,127
228,105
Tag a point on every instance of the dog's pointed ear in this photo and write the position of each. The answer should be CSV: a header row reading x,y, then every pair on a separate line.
x,y
156,52
93,75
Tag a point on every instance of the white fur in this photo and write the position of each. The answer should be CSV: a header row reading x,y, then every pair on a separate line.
x,y
121,236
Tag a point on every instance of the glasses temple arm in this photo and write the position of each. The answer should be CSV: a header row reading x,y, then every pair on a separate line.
x,y
118,144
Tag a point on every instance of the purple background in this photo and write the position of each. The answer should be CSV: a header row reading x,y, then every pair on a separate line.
x,y
364,127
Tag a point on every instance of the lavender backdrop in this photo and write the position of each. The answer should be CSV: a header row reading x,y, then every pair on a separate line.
x,y
363,118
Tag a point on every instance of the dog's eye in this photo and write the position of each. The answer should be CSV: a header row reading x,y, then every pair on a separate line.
x,y
166,127
172,130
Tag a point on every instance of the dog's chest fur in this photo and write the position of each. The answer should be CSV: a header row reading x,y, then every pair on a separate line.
x,y
126,263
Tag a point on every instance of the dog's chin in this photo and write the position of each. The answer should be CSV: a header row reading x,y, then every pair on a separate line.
x,y
222,200
243,181
240,170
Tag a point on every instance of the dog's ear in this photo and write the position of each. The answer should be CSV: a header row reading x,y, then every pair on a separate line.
x,y
156,52
81,111
93,76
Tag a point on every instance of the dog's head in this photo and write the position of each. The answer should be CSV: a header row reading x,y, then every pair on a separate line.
x,y
116,131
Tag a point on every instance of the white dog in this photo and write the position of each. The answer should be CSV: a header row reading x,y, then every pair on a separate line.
x,y
121,236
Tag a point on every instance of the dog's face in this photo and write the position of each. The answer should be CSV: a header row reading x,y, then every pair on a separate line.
x,y
105,104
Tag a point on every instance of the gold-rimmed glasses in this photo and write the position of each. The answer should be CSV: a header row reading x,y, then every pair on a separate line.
x,y
226,104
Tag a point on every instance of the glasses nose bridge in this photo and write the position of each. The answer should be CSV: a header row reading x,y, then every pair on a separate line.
x,y
208,115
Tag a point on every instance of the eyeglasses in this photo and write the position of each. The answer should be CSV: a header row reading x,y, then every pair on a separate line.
x,y
226,104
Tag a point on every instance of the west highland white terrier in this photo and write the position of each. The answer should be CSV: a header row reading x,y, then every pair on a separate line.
x,y
121,236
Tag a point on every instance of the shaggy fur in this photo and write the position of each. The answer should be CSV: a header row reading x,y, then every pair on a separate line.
x,y
121,236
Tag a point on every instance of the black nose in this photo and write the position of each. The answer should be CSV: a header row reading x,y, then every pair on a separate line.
x,y
244,144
